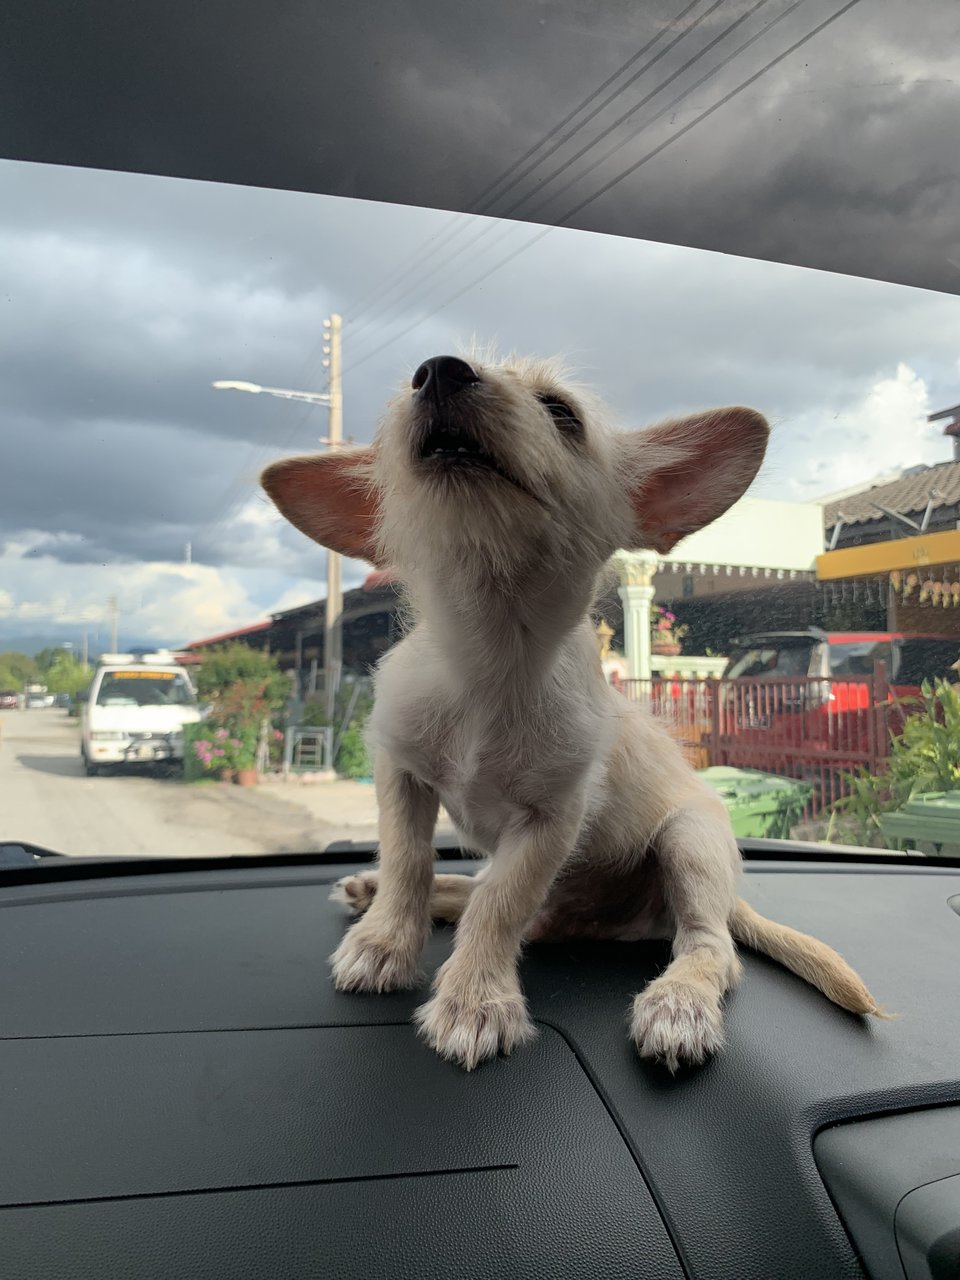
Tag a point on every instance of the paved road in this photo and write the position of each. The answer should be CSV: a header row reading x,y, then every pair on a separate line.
x,y
46,799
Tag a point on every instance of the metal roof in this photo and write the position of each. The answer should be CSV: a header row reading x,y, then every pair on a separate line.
x,y
907,496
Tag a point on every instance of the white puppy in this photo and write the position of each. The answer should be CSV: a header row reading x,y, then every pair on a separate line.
x,y
497,495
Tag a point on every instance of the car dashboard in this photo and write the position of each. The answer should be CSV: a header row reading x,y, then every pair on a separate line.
x,y
183,1093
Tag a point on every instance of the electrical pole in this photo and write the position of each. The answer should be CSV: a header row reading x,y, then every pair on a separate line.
x,y
333,399
333,632
114,641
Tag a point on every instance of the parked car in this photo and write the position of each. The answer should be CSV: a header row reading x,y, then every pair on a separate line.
x,y
9,700
817,686
136,710
34,701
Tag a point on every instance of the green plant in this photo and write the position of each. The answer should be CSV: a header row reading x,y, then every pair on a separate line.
x,y
788,812
219,749
354,699
193,769
16,670
66,675
353,760
924,756
232,664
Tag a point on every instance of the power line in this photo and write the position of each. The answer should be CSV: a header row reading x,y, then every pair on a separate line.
x,y
747,13
446,238
671,105
740,88
619,92
631,169
456,222
442,265
545,231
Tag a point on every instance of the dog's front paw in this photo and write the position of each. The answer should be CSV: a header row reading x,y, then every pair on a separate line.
x,y
371,959
467,1023
356,893
676,1023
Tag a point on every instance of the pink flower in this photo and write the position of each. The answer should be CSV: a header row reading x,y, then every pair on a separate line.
x,y
219,751
221,734
235,742
278,735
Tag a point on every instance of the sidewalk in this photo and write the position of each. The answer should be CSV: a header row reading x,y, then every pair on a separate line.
x,y
350,807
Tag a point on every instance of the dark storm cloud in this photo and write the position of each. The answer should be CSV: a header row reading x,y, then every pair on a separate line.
x,y
841,157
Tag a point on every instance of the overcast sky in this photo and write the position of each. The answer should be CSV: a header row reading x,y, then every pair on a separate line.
x,y
122,297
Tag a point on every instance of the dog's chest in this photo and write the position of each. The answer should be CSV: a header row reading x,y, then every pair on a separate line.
x,y
486,768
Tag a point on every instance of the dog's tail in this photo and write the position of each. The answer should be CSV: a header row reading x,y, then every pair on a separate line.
x,y
807,957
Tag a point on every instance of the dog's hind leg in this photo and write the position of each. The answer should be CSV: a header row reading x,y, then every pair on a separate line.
x,y
448,896
677,1018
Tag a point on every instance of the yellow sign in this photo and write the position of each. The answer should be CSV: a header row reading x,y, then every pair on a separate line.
x,y
884,557
143,675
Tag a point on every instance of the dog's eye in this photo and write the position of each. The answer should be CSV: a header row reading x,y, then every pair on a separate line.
x,y
565,420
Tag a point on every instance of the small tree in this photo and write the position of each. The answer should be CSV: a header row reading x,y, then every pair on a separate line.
x,y
16,670
66,675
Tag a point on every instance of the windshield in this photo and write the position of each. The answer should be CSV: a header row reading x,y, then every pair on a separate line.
x,y
783,660
144,689
165,339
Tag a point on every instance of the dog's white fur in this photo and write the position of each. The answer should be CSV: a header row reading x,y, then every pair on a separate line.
x,y
495,705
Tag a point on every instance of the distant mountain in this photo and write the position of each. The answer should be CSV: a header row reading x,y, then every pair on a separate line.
x,y
31,644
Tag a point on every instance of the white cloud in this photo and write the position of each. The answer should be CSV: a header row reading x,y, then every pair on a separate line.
x,y
885,430
163,602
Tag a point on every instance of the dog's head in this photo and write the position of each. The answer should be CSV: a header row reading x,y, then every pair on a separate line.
x,y
507,464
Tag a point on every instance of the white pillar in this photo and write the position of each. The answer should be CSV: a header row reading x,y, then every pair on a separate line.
x,y
636,570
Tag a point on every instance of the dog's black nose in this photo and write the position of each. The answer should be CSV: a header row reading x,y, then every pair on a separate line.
x,y
443,376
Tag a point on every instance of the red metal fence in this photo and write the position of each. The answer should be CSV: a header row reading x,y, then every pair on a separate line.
x,y
815,730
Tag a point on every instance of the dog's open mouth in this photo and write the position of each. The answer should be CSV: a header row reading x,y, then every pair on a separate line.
x,y
452,450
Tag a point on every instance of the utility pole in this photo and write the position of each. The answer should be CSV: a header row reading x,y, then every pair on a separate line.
x,y
114,641
333,631
333,399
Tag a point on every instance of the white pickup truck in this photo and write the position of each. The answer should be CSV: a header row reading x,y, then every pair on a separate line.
x,y
135,711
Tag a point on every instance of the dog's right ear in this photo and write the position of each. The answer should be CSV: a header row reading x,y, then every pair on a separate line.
x,y
683,474
331,498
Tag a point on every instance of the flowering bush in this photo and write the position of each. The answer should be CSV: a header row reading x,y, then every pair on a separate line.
x,y
222,749
665,626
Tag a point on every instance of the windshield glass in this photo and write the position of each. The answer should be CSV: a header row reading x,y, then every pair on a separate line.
x,y
165,339
772,661
144,689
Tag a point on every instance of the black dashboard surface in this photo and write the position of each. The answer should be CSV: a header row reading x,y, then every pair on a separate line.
x,y
182,1092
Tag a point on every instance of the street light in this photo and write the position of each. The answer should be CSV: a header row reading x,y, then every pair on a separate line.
x,y
282,393
332,638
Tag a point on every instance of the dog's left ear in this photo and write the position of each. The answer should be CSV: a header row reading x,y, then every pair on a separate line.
x,y
330,498
683,474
